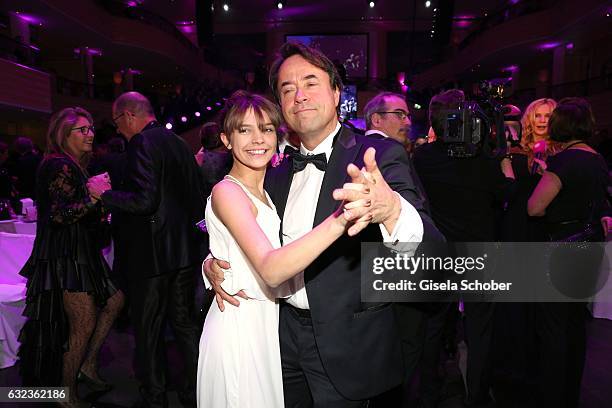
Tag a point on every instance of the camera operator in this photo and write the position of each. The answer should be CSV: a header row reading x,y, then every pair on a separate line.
x,y
465,195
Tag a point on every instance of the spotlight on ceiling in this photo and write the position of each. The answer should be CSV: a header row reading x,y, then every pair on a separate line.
x,y
372,4
183,119
427,3
197,114
225,7
280,5
168,125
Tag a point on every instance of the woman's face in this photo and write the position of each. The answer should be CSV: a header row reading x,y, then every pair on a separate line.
x,y
253,144
540,121
80,139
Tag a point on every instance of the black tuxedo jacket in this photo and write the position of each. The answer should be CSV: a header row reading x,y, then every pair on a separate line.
x,y
156,210
358,342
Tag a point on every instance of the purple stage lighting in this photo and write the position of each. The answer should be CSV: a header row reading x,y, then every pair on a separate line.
x,y
91,51
463,21
549,45
197,114
168,125
183,119
511,68
29,18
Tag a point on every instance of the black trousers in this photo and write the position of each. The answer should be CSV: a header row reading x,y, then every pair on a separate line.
x,y
411,321
155,300
305,382
478,328
430,386
562,347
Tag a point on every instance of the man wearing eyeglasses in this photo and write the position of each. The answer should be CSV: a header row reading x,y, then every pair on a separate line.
x,y
158,204
387,115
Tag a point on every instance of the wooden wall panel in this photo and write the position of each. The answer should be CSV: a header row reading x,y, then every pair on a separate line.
x,y
24,87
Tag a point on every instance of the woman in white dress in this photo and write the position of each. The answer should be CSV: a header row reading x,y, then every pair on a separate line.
x,y
239,363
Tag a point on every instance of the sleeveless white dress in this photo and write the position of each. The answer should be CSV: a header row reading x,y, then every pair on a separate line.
x,y
239,363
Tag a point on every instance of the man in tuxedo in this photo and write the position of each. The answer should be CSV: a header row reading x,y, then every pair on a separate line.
x,y
387,115
158,244
336,350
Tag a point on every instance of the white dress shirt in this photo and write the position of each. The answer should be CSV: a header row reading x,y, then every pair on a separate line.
x,y
374,132
299,215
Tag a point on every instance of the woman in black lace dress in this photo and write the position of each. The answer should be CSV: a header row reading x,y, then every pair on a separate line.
x,y
70,302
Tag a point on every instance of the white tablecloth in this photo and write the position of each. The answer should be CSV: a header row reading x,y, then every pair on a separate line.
x,y
15,250
18,227
12,303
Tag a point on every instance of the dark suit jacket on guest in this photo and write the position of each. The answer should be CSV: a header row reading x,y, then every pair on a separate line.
x,y
158,206
358,344
25,169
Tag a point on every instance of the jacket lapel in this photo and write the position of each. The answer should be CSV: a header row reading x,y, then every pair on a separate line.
x,y
278,181
345,151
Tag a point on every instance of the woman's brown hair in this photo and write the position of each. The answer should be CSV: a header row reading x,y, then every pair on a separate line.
x,y
237,106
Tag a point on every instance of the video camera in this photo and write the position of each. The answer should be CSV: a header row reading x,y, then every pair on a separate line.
x,y
484,125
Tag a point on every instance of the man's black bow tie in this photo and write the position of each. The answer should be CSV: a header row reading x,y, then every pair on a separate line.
x,y
300,160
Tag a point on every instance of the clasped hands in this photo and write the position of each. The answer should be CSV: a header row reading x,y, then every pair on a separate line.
x,y
97,185
367,198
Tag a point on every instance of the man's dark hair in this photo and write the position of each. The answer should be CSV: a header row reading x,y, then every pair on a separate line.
x,y
23,145
572,119
312,55
439,104
210,138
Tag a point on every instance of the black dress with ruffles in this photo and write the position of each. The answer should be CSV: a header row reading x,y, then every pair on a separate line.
x,y
66,257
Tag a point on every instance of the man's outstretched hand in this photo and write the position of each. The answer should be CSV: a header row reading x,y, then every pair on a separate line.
x,y
369,199
213,269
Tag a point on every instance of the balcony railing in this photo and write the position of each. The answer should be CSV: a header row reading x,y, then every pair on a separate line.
x,y
69,87
508,12
119,9
15,51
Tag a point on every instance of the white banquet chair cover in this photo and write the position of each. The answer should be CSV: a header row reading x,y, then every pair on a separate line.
x,y
15,249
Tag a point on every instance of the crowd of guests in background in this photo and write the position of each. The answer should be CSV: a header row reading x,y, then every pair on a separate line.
x,y
550,186
18,165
